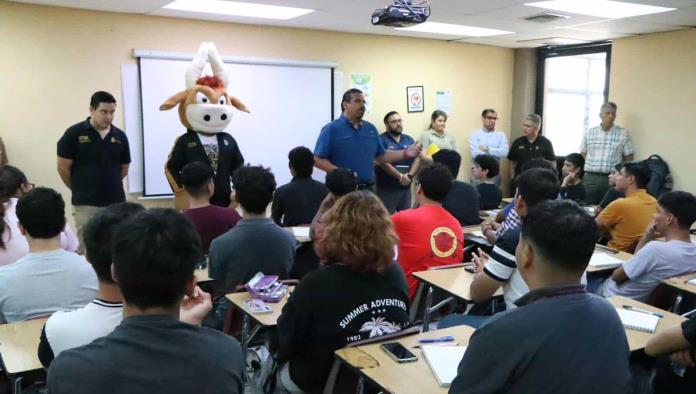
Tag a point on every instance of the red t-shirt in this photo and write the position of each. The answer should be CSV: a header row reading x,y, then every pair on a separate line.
x,y
211,222
429,236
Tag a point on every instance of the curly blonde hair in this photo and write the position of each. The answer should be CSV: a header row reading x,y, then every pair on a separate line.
x,y
358,234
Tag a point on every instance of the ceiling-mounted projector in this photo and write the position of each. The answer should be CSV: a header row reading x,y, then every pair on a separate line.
x,y
402,13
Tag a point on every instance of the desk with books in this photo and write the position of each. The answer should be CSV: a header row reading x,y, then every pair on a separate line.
x,y
638,339
19,345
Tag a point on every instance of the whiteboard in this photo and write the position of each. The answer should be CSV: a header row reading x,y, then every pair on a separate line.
x,y
289,105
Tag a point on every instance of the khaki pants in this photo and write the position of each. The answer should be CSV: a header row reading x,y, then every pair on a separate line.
x,y
81,215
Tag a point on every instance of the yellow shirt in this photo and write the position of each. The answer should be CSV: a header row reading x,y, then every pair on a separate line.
x,y
628,218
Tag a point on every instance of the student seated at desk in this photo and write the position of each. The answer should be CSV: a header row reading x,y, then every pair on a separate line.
x,y
340,182
49,278
297,202
655,261
680,344
428,235
560,339
151,351
210,221
486,167
463,199
572,187
13,246
627,218
256,243
534,187
359,294
66,330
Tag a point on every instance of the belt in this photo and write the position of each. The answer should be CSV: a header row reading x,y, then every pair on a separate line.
x,y
365,186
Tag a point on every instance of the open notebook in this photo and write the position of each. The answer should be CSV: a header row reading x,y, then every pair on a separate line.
x,y
444,360
603,260
638,321
692,282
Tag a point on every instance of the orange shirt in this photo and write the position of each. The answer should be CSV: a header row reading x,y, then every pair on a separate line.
x,y
429,236
628,218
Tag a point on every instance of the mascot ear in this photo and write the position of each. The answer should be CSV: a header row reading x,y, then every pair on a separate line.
x,y
238,104
174,100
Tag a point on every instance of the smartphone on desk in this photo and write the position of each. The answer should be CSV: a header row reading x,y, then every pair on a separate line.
x,y
398,352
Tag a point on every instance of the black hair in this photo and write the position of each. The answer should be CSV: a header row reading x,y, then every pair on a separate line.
x,y
388,115
11,179
436,114
341,181
682,205
450,159
302,161
101,97
562,233
639,171
254,186
487,111
348,95
436,181
488,162
195,177
578,161
154,255
536,185
98,234
42,213
539,163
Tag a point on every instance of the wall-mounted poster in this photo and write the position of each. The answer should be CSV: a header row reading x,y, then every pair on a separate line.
x,y
414,98
363,82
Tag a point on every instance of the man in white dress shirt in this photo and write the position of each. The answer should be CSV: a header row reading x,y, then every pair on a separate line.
x,y
488,140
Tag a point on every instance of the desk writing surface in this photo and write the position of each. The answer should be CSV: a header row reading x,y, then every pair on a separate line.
x,y
471,229
508,200
202,275
623,256
19,344
455,281
397,378
680,283
638,339
301,233
265,319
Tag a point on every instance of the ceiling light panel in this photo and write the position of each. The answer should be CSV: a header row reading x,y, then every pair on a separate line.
x,y
236,8
600,8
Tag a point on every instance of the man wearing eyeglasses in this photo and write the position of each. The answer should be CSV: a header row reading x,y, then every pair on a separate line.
x,y
488,140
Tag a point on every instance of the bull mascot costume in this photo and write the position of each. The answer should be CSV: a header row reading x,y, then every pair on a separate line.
x,y
205,109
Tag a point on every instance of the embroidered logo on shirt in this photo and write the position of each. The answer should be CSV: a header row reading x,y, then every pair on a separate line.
x,y
84,139
115,141
192,144
443,242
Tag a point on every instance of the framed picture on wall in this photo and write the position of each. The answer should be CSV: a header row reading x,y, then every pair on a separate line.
x,y
415,101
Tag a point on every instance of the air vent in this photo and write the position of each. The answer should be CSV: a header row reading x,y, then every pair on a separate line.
x,y
545,17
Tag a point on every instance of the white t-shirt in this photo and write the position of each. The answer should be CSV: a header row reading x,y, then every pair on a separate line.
x,y
67,330
16,245
39,284
655,262
212,150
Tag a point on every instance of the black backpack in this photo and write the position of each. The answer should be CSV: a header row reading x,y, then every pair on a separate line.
x,y
660,177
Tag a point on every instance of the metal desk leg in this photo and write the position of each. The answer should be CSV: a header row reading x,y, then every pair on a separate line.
x,y
16,385
677,303
426,312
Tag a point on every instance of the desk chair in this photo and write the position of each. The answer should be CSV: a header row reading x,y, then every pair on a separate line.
x,y
333,375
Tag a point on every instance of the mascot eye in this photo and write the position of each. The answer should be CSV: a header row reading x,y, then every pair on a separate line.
x,y
202,98
222,100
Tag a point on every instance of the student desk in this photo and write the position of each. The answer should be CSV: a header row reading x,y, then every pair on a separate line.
x,y
259,320
373,364
623,256
454,281
638,339
202,275
507,200
679,283
19,345
301,233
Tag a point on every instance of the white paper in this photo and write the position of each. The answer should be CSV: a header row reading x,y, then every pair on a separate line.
x,y
692,282
639,321
603,260
300,232
443,361
443,101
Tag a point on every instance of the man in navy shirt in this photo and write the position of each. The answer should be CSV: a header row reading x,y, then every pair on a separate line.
x,y
394,179
350,142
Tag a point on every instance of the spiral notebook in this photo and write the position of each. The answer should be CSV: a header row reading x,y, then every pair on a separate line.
x,y
444,360
638,321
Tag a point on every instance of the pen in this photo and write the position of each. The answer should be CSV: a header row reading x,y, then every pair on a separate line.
x,y
448,338
631,308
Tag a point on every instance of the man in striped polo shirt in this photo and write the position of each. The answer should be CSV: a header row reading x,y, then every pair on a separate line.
x,y
603,147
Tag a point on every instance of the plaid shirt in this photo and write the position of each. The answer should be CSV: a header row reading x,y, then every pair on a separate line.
x,y
605,148
512,221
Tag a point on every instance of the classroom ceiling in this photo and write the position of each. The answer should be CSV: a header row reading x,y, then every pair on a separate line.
x,y
354,16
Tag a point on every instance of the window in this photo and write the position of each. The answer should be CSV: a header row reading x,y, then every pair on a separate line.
x,y
571,88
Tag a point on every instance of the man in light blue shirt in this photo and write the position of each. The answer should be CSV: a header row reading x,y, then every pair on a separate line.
x,y
488,140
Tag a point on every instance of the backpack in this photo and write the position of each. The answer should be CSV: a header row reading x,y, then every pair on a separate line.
x,y
660,177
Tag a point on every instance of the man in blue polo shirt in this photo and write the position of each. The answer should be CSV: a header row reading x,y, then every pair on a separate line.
x,y
350,142
394,179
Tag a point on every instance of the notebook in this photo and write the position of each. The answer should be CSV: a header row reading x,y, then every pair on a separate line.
x,y
603,260
692,282
638,321
443,361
